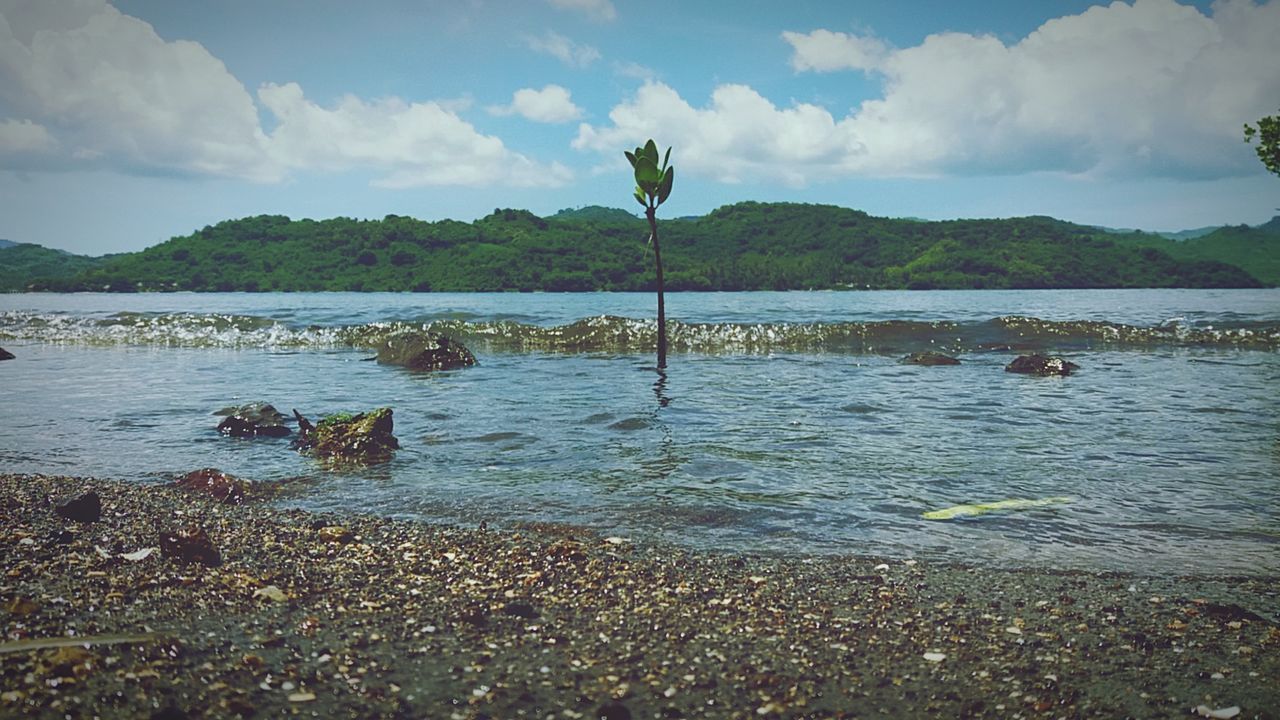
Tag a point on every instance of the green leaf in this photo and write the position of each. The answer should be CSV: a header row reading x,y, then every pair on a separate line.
x,y
664,188
647,174
651,151
639,196
666,158
630,157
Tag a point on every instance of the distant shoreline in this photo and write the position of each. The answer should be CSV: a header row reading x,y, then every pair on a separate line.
x,y
343,615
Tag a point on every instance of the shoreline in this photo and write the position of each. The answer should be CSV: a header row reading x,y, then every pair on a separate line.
x,y
357,616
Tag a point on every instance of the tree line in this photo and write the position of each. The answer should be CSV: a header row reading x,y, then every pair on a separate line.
x,y
745,246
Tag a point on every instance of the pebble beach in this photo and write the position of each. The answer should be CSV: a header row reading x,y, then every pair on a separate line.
x,y
353,616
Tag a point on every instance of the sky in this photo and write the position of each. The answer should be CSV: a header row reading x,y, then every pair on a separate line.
x,y
125,123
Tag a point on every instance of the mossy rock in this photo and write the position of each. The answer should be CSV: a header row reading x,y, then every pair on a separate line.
x,y
424,352
363,438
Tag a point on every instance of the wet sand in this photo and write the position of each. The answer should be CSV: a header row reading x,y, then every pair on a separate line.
x,y
355,616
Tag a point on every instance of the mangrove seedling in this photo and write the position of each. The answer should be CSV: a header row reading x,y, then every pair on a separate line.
x,y
653,187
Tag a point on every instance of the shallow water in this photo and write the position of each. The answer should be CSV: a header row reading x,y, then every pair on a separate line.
x,y
784,423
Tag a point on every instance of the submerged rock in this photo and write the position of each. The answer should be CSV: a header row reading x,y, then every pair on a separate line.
x,y
424,351
1041,365
253,420
363,438
220,486
86,508
5,354
929,358
190,545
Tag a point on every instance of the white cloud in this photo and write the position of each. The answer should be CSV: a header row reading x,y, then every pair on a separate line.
x,y
88,86
415,144
825,51
739,136
551,104
635,71
1150,89
565,50
109,87
24,136
599,10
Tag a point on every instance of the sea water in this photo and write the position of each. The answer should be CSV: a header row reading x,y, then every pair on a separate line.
x,y
784,422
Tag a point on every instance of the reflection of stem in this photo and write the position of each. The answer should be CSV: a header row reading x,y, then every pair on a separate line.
x,y
665,462
660,388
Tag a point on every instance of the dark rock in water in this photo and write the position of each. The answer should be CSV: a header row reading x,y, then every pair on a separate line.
x,y
253,420
304,425
86,508
1041,365
5,354
220,486
424,351
929,358
190,545
364,438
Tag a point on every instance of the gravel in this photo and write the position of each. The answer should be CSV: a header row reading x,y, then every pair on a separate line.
x,y
364,617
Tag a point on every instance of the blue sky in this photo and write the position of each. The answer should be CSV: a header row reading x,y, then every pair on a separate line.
x,y
125,123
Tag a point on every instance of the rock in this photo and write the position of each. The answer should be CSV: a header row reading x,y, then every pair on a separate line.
x,y
520,610
334,534
220,486
613,711
253,420
929,358
86,508
190,545
363,438
5,354
424,351
1041,365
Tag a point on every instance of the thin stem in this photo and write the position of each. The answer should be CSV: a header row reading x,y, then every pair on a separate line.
x,y
662,309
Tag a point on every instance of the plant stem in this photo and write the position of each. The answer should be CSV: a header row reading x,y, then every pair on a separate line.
x,y
662,309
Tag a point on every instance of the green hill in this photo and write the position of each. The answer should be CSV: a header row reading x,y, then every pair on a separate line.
x,y
747,246
594,213
1257,249
24,265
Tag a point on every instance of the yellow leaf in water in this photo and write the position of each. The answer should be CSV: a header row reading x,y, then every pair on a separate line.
x,y
958,511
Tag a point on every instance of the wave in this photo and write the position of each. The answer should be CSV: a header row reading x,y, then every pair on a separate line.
x,y
607,333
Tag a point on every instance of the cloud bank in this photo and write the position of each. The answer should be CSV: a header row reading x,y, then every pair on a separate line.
x,y
84,85
1151,89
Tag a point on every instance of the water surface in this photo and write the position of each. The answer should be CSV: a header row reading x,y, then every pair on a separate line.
x,y
785,422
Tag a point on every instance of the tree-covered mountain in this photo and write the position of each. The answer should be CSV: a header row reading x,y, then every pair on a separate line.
x,y
746,246
22,265
1255,248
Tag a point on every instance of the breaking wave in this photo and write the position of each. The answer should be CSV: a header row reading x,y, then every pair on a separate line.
x,y
611,334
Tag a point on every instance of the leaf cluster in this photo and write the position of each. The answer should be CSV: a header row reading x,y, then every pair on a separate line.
x,y
653,182
1267,133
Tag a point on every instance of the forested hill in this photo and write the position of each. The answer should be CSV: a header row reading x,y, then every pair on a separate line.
x,y
22,264
747,246
1255,248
